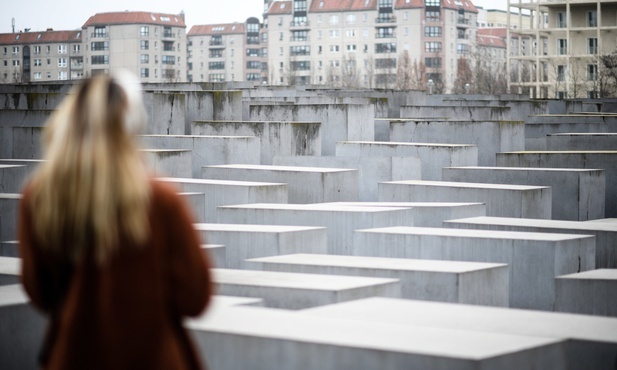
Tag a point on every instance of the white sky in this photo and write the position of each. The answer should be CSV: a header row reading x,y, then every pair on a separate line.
x,y
39,15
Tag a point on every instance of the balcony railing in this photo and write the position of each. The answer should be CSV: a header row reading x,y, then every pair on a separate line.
x,y
380,35
389,19
462,21
294,24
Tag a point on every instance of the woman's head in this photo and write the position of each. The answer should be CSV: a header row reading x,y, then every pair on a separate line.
x,y
93,186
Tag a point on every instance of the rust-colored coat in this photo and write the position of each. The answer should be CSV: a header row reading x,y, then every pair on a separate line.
x,y
126,314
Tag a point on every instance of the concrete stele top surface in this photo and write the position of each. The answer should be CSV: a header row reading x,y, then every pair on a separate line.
x,y
531,169
471,233
10,196
538,223
12,295
407,204
202,136
396,143
584,134
316,207
599,274
265,167
457,316
276,324
10,166
10,266
217,182
254,228
470,185
166,150
567,152
402,264
293,280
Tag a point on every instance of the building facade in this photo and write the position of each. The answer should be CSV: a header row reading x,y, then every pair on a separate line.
x,y
151,45
41,56
568,49
369,43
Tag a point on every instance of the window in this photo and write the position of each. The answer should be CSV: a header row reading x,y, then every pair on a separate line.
x,y
333,19
351,47
299,36
299,50
432,2
561,20
333,33
252,28
463,49
334,63
432,47
99,32
432,62
37,75
145,72
252,64
299,5
350,32
216,40
76,48
167,32
99,45
216,77
168,46
592,18
299,21
216,53
99,59
592,72
37,62
216,65
460,32
16,63
61,62
432,31
144,58
37,50
350,19
252,77
144,45
562,46
384,32
432,15
334,48
385,63
48,49
561,73
144,31
304,65
168,59
388,47
15,49
592,46
252,52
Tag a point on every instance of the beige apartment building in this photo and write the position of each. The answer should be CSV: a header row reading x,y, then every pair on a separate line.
x,y
568,64
227,52
40,56
152,45
368,43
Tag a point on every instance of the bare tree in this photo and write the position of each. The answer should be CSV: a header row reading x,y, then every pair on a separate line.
x,y
349,72
418,76
404,77
464,76
607,75
369,66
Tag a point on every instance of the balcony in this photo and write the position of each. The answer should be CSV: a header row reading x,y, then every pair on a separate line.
x,y
462,21
382,35
386,19
301,38
168,35
299,25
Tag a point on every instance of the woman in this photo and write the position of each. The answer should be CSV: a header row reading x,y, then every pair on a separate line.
x,y
109,254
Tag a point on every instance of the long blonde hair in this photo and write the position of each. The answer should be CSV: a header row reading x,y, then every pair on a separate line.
x,y
93,186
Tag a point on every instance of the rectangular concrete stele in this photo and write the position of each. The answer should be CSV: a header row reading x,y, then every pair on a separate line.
x,y
9,248
224,192
577,194
582,141
9,205
588,292
295,291
27,142
252,241
605,160
196,202
431,280
433,156
304,184
216,253
534,258
501,200
491,137
12,178
273,338
10,268
473,113
429,214
169,162
592,341
605,232
22,330
339,221
224,301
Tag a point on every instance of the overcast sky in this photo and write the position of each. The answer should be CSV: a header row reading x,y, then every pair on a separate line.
x,y
39,15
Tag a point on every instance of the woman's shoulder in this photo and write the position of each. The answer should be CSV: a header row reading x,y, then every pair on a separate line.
x,y
164,194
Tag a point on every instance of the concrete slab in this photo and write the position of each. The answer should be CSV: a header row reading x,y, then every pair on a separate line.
x,y
501,200
12,178
577,194
9,205
9,248
217,254
339,221
591,340
582,141
27,142
588,292
10,268
605,233
295,291
534,258
252,241
304,184
473,113
431,280
169,162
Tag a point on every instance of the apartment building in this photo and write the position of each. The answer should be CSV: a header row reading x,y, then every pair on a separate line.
x,y
40,56
368,43
227,52
151,45
569,63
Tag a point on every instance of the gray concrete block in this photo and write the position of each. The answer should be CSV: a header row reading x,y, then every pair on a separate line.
x,y
584,141
588,292
208,150
473,113
490,137
27,142
534,258
31,164
252,241
339,221
304,184
371,170
12,178
605,232
277,338
217,254
501,200
591,341
276,138
9,206
9,248
220,105
169,162
222,192
10,268
433,156
294,291
577,194
431,280
538,127
197,203
166,113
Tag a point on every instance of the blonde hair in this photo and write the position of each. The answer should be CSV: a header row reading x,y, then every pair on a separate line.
x,y
93,186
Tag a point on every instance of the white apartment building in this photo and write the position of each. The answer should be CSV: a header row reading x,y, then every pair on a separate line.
x,y
368,43
226,52
40,56
567,64
151,45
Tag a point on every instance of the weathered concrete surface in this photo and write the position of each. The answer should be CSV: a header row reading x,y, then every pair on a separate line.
x,y
472,113
538,127
27,142
9,205
169,162
10,268
12,178
166,113
584,141
588,292
219,105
